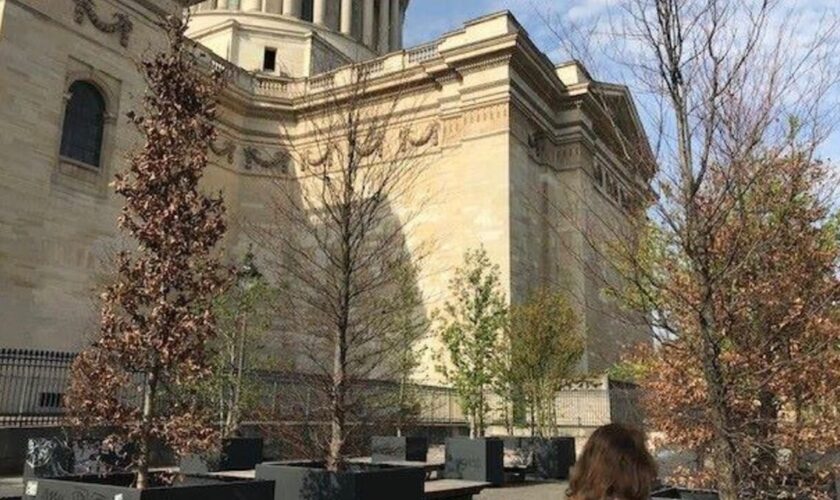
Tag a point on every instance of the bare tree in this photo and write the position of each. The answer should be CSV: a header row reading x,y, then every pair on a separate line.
x,y
339,243
739,100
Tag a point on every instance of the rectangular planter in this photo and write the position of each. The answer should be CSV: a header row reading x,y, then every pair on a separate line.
x,y
55,457
118,486
552,458
310,481
236,454
480,459
685,493
398,449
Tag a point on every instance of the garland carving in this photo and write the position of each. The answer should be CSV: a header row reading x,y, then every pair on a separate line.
x,y
225,150
430,136
121,24
280,159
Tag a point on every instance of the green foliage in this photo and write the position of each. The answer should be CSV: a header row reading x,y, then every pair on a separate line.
x,y
410,326
244,315
471,326
545,346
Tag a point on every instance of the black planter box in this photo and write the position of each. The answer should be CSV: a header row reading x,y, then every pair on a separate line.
x,y
236,454
54,457
398,449
551,458
686,494
480,459
118,486
310,481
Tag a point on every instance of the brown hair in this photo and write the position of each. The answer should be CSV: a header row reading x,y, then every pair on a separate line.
x,y
614,465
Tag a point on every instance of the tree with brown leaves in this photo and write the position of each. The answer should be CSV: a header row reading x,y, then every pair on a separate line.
x,y
734,263
776,254
157,315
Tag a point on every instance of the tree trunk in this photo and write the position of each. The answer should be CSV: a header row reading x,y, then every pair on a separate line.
x,y
726,465
337,404
149,390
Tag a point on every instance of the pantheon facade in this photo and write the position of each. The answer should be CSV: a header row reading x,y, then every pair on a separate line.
x,y
508,136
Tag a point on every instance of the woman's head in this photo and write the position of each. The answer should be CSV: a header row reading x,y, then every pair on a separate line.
x,y
614,464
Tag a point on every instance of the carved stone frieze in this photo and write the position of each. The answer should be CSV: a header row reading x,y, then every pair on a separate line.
x,y
253,156
489,118
537,144
372,146
121,23
226,149
429,137
314,158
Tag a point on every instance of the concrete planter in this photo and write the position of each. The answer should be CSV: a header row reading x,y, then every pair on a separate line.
x,y
310,481
551,458
685,493
480,459
398,449
118,486
236,454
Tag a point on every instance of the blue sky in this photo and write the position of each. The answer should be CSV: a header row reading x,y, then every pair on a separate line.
x,y
428,19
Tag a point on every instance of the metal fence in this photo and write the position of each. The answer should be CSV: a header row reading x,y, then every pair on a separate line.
x,y
32,385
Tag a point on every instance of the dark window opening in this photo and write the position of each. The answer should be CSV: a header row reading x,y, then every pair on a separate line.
x,y
84,119
49,400
308,13
269,59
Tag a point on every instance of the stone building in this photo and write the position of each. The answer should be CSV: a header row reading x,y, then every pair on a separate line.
x,y
504,127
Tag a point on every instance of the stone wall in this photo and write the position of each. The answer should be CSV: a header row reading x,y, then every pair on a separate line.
x,y
501,137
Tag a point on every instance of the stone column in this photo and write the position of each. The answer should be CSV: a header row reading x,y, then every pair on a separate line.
x,y
347,17
367,26
293,8
273,6
251,5
319,12
222,4
396,21
384,20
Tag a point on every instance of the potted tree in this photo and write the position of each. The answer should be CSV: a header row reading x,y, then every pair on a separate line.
x,y
541,350
244,314
157,314
341,253
471,327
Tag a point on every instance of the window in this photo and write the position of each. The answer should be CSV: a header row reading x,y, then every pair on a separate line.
x,y
269,59
84,118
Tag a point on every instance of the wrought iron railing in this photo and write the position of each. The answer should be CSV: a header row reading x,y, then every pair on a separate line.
x,y
33,382
32,385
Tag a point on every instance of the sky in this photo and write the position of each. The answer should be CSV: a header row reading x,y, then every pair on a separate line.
x,y
426,20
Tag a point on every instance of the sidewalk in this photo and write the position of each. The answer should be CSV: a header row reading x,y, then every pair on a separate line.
x,y
526,491
12,487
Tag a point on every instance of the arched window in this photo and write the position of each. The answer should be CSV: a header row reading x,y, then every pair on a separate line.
x,y
84,119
